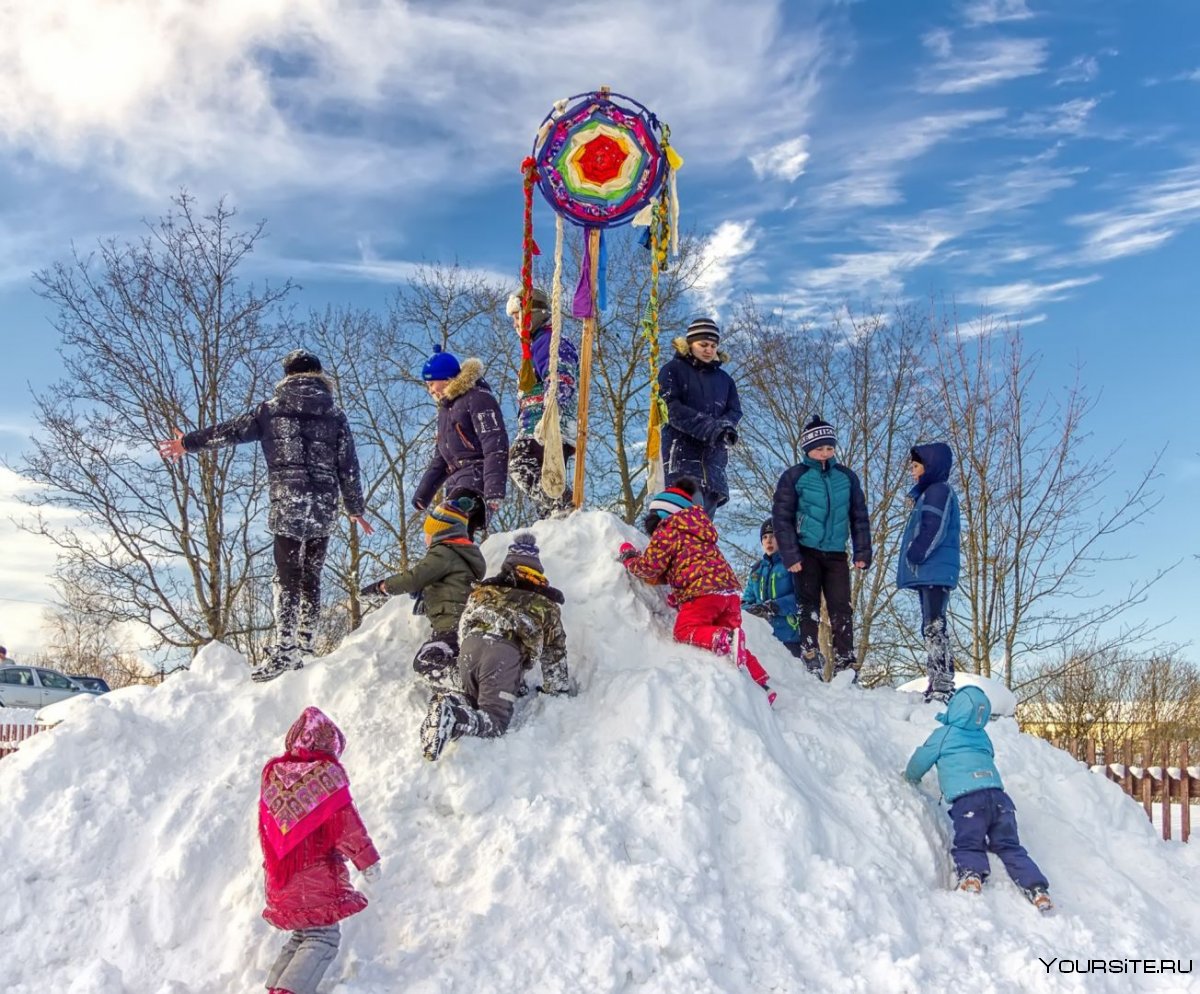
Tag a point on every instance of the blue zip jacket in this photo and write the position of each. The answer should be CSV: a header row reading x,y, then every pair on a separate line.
x,y
962,750
771,581
820,506
702,403
930,554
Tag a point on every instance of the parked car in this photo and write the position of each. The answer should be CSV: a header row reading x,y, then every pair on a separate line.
x,y
34,687
91,684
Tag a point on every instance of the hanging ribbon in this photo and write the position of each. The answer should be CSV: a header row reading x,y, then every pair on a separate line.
x,y
582,305
549,428
527,379
601,280
659,239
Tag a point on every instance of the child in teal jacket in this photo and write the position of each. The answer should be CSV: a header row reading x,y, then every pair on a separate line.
x,y
983,815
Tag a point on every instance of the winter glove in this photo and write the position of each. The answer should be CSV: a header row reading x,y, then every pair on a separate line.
x,y
728,437
418,597
373,872
626,552
765,609
672,599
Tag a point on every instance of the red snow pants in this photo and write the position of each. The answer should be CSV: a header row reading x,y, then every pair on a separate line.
x,y
708,621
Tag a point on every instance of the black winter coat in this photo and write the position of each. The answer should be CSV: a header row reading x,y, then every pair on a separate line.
x,y
472,443
309,450
702,403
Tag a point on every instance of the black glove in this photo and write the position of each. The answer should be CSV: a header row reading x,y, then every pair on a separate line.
x,y
728,437
418,597
766,609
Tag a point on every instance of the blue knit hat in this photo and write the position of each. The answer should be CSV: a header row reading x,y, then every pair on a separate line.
x,y
524,551
440,366
670,501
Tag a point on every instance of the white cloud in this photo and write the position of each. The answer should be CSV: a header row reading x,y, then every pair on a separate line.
x,y
398,97
1019,297
1069,118
1151,216
875,161
25,569
1081,69
980,12
723,253
983,63
783,161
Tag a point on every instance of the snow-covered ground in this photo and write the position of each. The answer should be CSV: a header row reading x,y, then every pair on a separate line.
x,y
664,831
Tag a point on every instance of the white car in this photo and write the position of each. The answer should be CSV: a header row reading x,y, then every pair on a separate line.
x,y
34,687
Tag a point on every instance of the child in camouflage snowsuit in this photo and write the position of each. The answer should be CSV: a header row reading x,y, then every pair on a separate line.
x,y
984,816
683,552
512,623
441,583
527,454
311,460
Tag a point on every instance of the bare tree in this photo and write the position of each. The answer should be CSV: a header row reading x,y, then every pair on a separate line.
x,y
81,639
158,334
1036,521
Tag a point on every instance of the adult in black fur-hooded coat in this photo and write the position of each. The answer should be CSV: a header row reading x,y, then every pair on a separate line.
x,y
703,411
472,443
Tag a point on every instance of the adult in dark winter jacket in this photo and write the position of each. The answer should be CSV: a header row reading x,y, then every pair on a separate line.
x,y
929,558
311,460
770,593
527,454
442,581
703,412
471,457
819,505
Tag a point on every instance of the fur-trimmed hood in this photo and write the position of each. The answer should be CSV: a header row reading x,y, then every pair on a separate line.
x,y
682,351
470,375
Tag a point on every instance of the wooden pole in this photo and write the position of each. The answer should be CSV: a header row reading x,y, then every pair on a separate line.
x,y
1166,791
585,367
1185,794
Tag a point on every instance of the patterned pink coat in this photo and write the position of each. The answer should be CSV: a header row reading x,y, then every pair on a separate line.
x,y
683,552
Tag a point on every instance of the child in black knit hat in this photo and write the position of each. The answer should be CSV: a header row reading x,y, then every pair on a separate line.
x,y
819,506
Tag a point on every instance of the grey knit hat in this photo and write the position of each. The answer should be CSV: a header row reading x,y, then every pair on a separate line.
x,y
524,551
703,330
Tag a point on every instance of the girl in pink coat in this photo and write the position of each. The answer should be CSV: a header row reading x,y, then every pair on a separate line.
x,y
308,826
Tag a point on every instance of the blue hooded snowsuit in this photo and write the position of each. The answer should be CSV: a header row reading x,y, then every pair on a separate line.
x,y
771,581
984,816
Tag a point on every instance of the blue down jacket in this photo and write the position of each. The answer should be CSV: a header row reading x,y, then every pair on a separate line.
x,y
820,506
929,549
962,751
771,581
702,403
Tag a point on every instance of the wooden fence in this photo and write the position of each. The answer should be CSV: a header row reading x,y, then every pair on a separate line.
x,y
12,736
1135,770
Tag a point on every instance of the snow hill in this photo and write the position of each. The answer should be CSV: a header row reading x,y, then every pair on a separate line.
x,y
664,831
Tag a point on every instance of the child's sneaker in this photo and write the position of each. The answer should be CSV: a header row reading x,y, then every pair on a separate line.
x,y
970,882
1039,898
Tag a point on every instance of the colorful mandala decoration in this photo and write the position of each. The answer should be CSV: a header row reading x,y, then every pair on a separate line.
x,y
599,162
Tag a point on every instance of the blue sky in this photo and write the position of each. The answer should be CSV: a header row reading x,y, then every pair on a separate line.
x,y
1035,159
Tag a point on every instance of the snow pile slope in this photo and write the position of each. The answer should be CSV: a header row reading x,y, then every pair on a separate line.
x,y
664,831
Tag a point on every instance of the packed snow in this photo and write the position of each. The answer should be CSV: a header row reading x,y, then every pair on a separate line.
x,y
663,831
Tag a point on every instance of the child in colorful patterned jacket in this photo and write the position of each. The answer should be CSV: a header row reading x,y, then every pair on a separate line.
x,y
683,553
309,827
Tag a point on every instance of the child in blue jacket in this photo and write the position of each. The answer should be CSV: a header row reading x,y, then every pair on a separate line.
x,y
929,559
984,816
770,593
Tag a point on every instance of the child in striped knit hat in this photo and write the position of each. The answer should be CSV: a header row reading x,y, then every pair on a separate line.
x,y
441,583
683,553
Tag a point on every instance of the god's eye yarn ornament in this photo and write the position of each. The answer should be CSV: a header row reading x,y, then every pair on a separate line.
x,y
600,159
600,162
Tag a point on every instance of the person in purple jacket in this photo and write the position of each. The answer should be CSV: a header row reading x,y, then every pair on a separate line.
x,y
471,454
527,454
